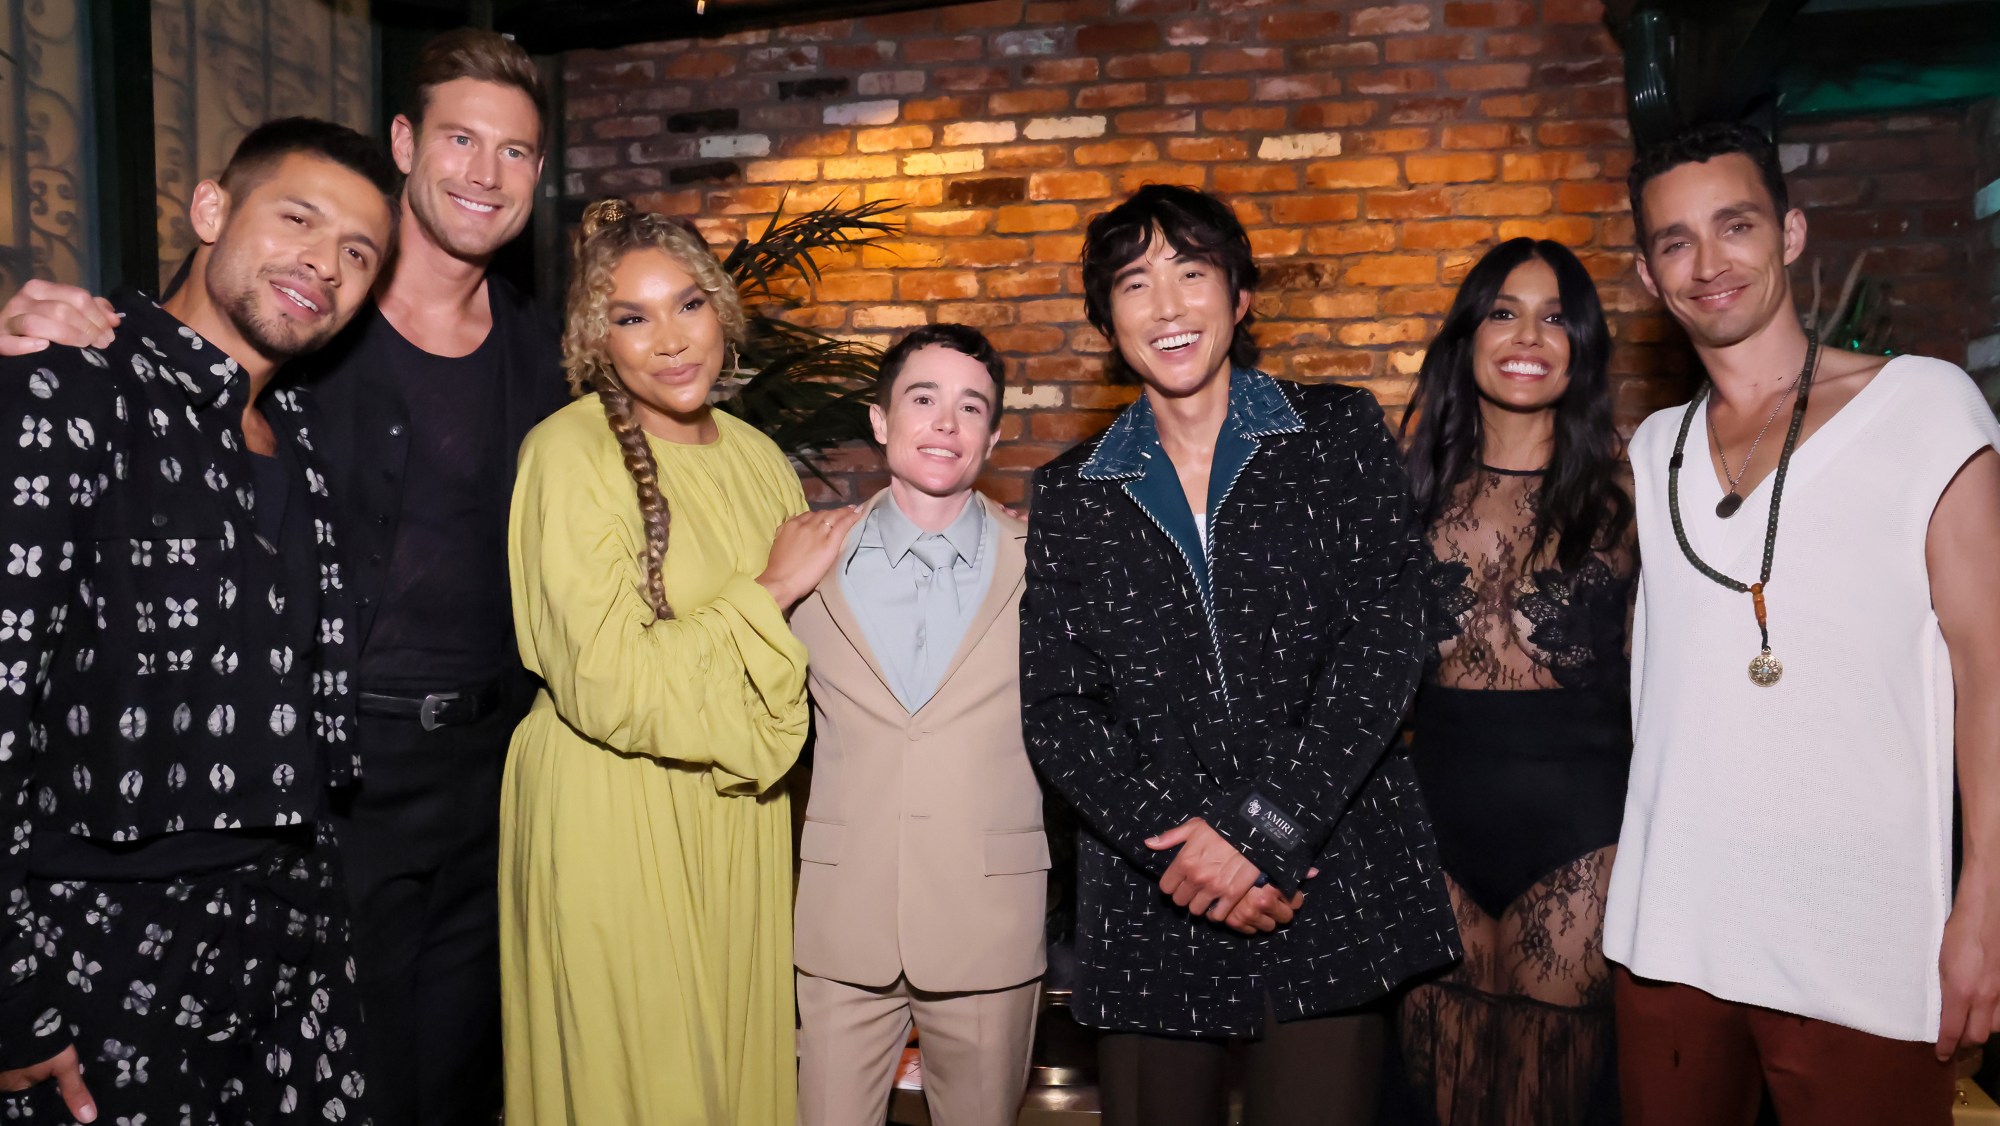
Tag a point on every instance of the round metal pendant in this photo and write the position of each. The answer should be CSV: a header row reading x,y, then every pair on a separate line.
x,y
1727,506
1765,669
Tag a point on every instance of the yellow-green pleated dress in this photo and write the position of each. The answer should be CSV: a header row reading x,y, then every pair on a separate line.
x,y
645,851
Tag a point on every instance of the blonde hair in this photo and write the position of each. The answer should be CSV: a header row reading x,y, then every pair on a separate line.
x,y
612,229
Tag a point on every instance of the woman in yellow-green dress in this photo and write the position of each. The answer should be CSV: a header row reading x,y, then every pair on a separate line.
x,y
645,879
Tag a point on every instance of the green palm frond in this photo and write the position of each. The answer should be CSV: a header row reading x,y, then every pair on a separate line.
x,y
804,388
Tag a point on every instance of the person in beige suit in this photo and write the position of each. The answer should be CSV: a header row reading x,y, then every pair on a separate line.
x,y
924,864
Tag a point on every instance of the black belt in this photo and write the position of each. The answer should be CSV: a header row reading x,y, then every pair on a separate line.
x,y
433,710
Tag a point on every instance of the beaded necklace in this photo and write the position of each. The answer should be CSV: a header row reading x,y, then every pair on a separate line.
x,y
1765,669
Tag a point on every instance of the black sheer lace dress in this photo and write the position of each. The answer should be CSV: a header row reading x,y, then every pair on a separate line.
x,y
1522,741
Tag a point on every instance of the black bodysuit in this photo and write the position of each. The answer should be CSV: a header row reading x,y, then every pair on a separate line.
x,y
1521,738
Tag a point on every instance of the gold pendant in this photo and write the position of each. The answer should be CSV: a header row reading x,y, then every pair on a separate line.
x,y
1765,669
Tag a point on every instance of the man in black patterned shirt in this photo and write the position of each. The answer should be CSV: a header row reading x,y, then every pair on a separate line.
x,y
174,655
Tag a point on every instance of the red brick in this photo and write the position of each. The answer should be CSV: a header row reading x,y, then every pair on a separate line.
x,y
1395,20
1488,76
1429,48
940,109
1336,365
1293,87
1120,151
961,49
1066,310
1159,64
1206,148
1135,176
902,253
858,56
1405,81
1417,302
1069,185
1032,281
1034,218
1424,203
1377,333
937,285
1058,248
1027,338
1489,13
1103,395
1450,168
1451,234
989,252
1393,269
902,25
1485,135
972,78
1243,119
1360,172
984,314
1548,166
1411,139
701,65
1038,100
1233,60
1511,105
1411,111
619,128
1106,39
933,223
1320,207
1027,156
1156,121
1352,238
1340,56
1257,178
1570,230
1590,197
1115,95
1070,425
1565,134
1335,115
1512,200
1573,11
847,286
1299,25
815,144
1059,72
1514,45
891,138
1207,91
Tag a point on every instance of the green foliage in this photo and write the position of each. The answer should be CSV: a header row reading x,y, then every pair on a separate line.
x,y
805,388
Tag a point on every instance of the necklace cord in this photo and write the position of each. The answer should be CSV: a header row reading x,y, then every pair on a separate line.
x,y
1777,489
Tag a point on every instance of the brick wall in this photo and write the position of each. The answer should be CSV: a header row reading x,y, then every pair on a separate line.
x,y
1372,151
1901,186
1984,351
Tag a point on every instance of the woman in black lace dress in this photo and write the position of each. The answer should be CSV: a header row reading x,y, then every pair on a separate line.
x,y
1521,729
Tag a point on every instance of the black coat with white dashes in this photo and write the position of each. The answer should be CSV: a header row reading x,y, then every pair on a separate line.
x,y
1268,712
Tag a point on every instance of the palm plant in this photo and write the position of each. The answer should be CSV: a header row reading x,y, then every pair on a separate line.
x,y
805,388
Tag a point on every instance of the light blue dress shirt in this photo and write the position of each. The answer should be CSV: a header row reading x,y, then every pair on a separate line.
x,y
915,593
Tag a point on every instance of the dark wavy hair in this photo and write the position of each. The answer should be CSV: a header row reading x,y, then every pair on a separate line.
x,y
963,339
1579,502
1197,225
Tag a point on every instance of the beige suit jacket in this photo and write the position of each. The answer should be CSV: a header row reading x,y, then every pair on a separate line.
x,y
923,852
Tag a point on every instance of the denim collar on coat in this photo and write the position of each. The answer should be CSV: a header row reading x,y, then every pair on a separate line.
x,y
1257,409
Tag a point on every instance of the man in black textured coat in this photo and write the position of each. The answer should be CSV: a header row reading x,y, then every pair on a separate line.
x,y
1220,633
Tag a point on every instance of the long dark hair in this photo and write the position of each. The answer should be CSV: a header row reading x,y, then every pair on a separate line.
x,y
1579,502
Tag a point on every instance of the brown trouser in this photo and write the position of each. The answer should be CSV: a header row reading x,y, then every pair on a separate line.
x,y
1687,1058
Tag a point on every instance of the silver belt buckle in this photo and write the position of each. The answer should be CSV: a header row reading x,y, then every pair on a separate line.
x,y
427,714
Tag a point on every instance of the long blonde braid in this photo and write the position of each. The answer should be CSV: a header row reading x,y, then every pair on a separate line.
x,y
613,228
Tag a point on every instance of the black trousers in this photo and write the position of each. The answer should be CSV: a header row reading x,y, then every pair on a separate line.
x,y
420,836
223,999
1324,1071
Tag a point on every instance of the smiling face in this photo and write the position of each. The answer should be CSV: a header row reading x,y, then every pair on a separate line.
x,y
1174,318
941,421
472,165
1520,352
664,339
1716,250
292,256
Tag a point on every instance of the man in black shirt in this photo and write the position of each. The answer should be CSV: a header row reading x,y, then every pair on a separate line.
x,y
425,399
175,684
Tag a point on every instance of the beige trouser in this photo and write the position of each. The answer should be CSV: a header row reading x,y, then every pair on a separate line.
x,y
974,1046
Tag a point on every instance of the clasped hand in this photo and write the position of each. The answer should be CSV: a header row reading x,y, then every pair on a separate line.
x,y
1211,879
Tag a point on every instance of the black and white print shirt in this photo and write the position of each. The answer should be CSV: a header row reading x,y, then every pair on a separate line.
x,y
1264,701
162,667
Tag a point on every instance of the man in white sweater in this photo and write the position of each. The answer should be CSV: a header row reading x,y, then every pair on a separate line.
x,y
1816,649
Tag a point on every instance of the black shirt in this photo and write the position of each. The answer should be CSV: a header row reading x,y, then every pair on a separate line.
x,y
161,669
444,617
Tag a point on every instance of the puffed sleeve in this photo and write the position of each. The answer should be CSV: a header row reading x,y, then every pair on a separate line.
x,y
722,684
